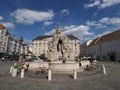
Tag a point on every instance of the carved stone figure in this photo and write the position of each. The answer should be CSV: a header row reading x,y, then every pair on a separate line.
x,y
58,48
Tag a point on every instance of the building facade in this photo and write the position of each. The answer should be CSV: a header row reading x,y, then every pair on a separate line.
x,y
4,38
10,44
14,45
84,48
105,48
41,44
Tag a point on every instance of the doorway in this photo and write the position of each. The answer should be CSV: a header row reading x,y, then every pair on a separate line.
x,y
112,57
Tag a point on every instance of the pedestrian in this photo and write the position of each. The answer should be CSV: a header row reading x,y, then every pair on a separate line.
x,y
25,66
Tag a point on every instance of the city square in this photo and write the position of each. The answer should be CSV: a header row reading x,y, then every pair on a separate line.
x,y
85,80
60,45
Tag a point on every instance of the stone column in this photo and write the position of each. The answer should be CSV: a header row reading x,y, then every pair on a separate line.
x,y
14,72
22,73
104,70
11,69
49,75
75,74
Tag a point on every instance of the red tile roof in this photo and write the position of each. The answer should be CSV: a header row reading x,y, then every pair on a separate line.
x,y
7,33
1,26
11,37
107,37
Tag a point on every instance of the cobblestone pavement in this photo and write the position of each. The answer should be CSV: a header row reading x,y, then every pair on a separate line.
x,y
88,80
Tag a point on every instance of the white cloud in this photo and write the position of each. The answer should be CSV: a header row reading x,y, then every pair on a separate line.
x,y
75,29
91,23
92,4
113,21
95,24
102,3
9,25
79,31
1,18
50,32
104,33
103,22
108,3
65,11
46,23
28,16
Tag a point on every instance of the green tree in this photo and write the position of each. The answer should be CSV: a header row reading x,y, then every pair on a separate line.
x,y
79,56
42,56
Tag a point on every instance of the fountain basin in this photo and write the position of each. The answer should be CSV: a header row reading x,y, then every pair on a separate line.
x,y
63,66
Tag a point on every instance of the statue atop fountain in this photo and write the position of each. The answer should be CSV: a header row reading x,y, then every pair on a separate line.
x,y
59,47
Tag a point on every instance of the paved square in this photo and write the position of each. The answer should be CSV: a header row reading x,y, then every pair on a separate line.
x,y
85,81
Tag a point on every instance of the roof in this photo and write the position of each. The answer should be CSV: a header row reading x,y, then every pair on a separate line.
x,y
107,37
11,37
71,37
2,27
7,32
42,37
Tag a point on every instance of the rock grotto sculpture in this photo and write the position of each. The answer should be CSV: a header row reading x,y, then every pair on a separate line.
x,y
59,47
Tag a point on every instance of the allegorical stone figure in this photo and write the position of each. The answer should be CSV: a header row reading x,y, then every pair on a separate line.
x,y
59,45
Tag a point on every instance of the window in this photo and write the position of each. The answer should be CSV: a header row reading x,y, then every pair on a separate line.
x,y
98,58
104,58
75,45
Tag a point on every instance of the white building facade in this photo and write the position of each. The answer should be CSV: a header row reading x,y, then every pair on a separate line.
x,y
4,38
10,44
105,48
40,44
14,46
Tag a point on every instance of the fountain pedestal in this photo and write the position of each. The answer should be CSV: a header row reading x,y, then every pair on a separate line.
x,y
64,67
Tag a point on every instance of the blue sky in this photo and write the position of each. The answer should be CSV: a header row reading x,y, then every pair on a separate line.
x,y
85,19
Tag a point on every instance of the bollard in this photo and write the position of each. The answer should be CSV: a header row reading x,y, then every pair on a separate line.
x,y
49,75
104,70
11,69
75,74
14,72
22,73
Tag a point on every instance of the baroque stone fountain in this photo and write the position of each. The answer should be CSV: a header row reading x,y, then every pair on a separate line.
x,y
60,52
59,48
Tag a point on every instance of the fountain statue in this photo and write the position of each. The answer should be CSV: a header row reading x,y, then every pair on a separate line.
x,y
59,47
